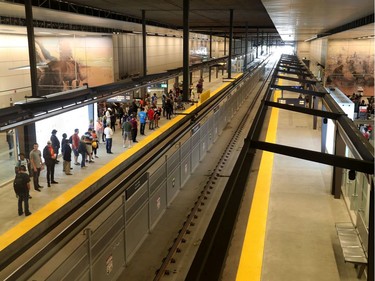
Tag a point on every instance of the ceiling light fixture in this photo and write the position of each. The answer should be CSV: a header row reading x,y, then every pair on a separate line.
x,y
366,37
312,38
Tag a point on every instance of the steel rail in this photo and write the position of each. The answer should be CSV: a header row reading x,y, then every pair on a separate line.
x,y
209,260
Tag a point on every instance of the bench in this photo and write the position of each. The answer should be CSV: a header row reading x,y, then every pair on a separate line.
x,y
351,245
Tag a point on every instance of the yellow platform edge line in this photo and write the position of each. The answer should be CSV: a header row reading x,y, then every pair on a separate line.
x,y
251,260
43,213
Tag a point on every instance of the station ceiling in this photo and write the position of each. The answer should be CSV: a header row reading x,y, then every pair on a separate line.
x,y
292,20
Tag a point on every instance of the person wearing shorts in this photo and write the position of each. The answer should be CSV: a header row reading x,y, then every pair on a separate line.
x,y
126,133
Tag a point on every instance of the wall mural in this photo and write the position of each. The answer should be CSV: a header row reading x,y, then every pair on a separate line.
x,y
58,74
65,64
350,66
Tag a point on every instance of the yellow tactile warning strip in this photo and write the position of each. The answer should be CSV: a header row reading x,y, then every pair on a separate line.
x,y
37,217
250,266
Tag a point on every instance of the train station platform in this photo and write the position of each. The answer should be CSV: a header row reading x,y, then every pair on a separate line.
x,y
285,231
289,233
39,203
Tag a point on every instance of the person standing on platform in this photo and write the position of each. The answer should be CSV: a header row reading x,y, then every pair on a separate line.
x,y
108,114
55,143
10,141
36,165
163,101
75,143
49,156
142,120
108,139
95,143
99,130
23,161
64,138
150,116
82,149
154,100
134,124
200,85
67,156
134,107
21,187
126,133
113,119
169,108
88,141
157,116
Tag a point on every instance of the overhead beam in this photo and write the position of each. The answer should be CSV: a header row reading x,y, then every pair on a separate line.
x,y
300,67
272,28
314,112
302,91
296,79
363,166
289,62
295,72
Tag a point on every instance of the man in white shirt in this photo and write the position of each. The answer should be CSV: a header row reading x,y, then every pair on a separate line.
x,y
108,114
108,138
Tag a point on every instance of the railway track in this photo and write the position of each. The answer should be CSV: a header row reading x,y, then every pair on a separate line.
x,y
23,257
184,233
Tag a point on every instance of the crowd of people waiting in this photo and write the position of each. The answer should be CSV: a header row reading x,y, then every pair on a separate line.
x,y
128,117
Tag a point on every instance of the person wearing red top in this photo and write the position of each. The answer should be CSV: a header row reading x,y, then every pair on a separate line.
x,y
150,116
74,140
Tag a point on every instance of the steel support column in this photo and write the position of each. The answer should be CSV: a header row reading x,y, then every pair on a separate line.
x,y
225,45
257,43
210,44
230,44
26,138
186,83
245,60
31,43
209,68
251,49
225,52
144,42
